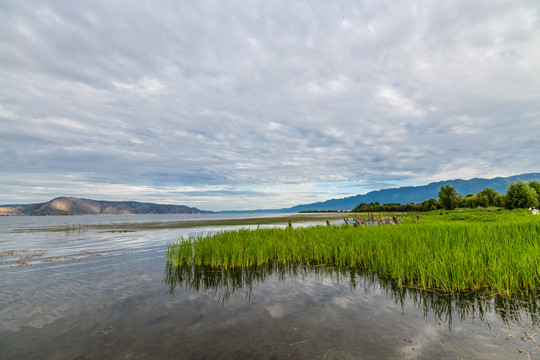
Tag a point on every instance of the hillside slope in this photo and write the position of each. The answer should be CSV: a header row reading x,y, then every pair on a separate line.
x,y
78,206
414,194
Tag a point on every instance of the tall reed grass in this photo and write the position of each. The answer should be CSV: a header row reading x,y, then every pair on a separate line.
x,y
501,254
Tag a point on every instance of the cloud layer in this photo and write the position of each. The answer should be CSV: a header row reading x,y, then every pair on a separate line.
x,y
245,104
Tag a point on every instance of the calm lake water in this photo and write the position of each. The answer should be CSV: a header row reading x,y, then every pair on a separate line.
x,y
93,294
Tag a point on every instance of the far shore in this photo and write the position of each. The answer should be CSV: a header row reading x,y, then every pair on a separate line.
x,y
157,225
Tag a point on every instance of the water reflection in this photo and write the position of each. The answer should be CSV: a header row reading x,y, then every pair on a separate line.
x,y
445,307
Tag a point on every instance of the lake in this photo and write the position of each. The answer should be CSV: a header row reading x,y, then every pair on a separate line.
x,y
88,293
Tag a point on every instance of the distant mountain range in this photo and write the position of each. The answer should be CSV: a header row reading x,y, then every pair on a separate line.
x,y
402,195
414,194
77,206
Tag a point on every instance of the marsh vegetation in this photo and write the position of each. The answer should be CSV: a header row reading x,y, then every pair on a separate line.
x,y
71,294
496,251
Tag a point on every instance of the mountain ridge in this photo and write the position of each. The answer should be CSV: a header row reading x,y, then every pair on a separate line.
x,y
78,206
414,194
402,195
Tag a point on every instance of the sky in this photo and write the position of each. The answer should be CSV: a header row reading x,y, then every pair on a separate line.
x,y
236,105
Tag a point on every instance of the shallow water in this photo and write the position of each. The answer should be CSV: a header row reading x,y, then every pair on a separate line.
x,y
96,294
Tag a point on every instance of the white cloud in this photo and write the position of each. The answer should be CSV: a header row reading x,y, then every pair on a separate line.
x,y
295,102
402,105
144,86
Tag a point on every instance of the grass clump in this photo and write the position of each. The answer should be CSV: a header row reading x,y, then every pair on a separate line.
x,y
450,253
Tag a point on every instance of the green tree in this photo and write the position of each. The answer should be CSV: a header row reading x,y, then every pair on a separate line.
x,y
470,201
535,184
431,204
449,198
482,200
498,201
491,196
520,195
503,200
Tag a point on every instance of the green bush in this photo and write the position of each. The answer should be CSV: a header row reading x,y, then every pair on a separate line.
x,y
520,195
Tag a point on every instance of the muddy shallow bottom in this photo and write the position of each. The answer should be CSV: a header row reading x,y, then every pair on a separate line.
x,y
97,295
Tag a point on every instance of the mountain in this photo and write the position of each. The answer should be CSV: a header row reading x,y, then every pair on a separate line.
x,y
402,195
414,194
77,206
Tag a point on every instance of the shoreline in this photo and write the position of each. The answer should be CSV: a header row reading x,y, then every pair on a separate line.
x,y
182,224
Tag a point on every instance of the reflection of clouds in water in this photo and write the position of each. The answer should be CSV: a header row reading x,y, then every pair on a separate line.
x,y
327,281
276,310
50,293
342,302
431,341
424,337
352,300
282,298
363,312
326,292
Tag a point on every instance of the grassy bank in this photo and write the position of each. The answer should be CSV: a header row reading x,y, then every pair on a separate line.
x,y
497,251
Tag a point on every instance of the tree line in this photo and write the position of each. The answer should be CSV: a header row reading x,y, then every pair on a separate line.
x,y
518,195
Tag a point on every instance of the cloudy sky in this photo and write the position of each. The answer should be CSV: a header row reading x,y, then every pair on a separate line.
x,y
263,104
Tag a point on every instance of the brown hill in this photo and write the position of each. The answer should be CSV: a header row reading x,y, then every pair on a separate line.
x,y
78,206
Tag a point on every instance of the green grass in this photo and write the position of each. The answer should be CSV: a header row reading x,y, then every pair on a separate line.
x,y
497,251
